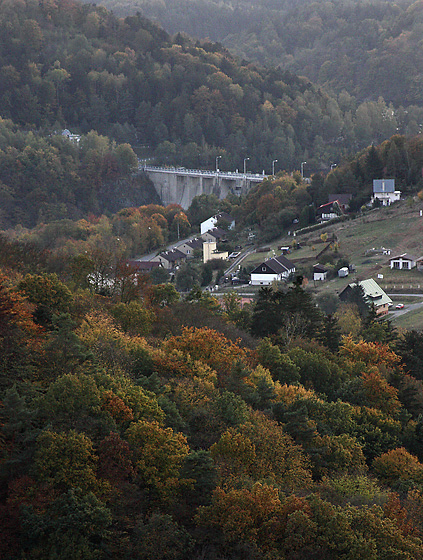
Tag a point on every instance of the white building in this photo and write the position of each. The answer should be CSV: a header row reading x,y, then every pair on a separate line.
x,y
319,272
403,262
276,269
210,223
384,191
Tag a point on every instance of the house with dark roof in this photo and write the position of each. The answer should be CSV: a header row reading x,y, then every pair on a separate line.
x,y
343,200
372,293
188,247
384,191
328,211
405,261
319,273
170,259
215,234
142,267
275,269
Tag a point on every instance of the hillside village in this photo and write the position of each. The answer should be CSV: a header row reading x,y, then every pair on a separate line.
x,y
280,264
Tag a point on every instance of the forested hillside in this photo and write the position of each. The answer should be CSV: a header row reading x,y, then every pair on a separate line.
x,y
139,425
75,66
367,48
47,178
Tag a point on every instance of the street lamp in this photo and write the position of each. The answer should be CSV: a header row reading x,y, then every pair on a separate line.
x,y
302,169
273,166
245,164
332,165
217,159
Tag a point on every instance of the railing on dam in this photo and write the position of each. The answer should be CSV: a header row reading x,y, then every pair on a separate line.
x,y
234,175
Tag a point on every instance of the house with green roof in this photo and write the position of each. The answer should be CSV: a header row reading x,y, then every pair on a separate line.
x,y
373,295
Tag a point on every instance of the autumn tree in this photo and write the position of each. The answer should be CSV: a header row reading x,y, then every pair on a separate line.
x,y
67,460
208,346
252,516
398,464
19,336
261,450
159,454
48,294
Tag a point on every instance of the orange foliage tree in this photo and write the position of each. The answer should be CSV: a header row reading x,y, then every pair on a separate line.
x,y
20,337
208,346
371,353
253,516
379,393
398,464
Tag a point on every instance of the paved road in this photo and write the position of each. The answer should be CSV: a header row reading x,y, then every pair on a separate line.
x,y
407,306
234,265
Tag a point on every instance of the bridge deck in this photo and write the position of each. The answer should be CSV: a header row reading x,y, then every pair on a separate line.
x,y
234,175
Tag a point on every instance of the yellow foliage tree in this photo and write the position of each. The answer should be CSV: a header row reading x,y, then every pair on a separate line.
x,y
261,450
159,453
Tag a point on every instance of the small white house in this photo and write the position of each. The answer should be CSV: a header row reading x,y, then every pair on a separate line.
x,y
403,262
384,191
319,273
70,136
276,269
343,272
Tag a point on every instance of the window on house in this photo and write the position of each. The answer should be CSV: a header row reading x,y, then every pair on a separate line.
x,y
396,264
263,268
405,265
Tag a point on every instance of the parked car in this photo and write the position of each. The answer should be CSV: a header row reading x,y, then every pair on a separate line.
x,y
399,306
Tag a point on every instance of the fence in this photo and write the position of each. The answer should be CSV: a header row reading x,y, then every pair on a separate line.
x,y
400,288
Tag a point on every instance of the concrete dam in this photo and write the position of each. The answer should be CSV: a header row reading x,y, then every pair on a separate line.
x,y
177,185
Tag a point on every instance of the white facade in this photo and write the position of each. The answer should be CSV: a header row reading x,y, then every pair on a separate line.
x,y
402,262
208,224
329,216
273,270
265,279
387,198
320,276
